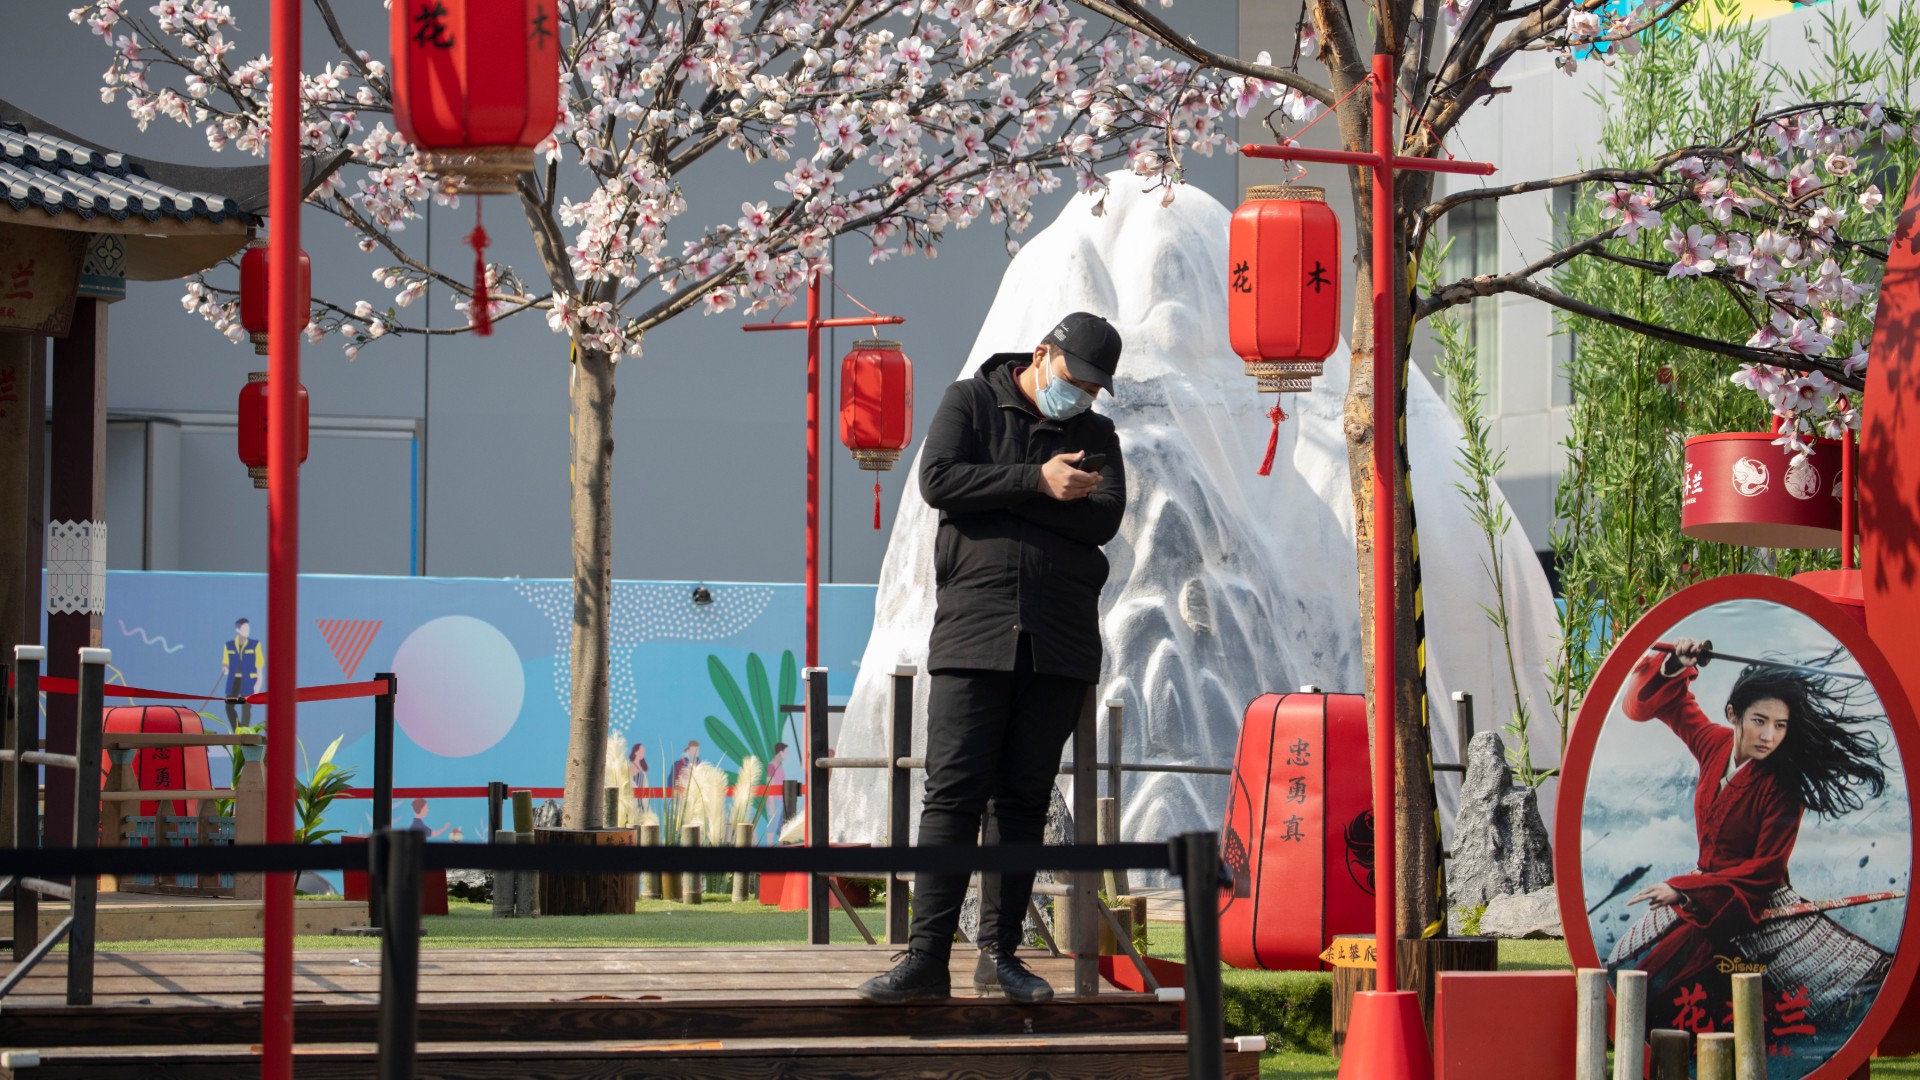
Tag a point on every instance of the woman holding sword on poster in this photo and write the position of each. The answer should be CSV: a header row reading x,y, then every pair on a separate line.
x,y
1789,744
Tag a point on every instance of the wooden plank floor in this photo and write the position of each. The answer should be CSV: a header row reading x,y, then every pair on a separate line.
x,y
143,916
560,1014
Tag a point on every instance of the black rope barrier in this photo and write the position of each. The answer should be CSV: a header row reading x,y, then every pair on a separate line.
x,y
868,861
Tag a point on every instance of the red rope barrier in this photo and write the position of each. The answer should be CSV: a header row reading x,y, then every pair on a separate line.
x,y
538,793
335,692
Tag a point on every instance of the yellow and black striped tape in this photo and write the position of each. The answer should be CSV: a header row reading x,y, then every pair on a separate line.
x,y
1439,926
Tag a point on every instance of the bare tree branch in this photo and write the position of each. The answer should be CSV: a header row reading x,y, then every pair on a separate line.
x,y
1134,17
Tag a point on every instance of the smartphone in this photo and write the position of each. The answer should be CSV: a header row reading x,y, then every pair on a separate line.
x,y
1092,463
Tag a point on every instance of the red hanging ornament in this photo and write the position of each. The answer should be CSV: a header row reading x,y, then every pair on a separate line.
x,y
479,309
1283,291
876,407
256,304
252,426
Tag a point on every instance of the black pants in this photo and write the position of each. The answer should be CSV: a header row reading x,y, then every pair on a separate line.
x,y
994,740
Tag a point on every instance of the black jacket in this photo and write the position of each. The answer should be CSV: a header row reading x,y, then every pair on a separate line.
x,y
1008,558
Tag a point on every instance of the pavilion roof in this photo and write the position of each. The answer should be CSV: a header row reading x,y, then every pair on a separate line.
x,y
59,176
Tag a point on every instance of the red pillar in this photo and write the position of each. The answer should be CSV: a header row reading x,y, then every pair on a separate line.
x,y
283,532
1385,537
76,516
813,470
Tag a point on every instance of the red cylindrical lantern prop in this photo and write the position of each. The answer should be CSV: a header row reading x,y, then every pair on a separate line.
x,y
1299,832
876,407
253,426
254,301
476,86
1283,285
1739,488
1283,291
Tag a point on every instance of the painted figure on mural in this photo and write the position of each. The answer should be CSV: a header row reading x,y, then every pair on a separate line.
x,y
684,766
242,664
1791,742
420,823
776,778
637,765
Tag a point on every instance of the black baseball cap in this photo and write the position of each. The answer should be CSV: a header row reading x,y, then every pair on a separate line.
x,y
1091,345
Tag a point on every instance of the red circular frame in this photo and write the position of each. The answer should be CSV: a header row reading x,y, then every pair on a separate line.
x,y
1568,804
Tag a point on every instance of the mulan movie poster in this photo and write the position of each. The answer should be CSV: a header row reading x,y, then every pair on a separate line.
x,y
1746,811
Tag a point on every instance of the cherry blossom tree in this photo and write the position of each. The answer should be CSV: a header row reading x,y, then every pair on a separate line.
x,y
897,121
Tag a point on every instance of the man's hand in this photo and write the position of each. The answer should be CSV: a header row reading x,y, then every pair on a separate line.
x,y
1688,651
1059,479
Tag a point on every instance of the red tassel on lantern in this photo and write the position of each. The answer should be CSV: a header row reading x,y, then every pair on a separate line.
x,y
480,310
1283,291
876,407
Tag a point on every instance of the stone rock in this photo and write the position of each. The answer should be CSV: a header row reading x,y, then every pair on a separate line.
x,y
546,815
1059,831
1529,915
1500,845
313,884
474,886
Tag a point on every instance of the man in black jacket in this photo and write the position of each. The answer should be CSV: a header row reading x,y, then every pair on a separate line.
x,y
1029,483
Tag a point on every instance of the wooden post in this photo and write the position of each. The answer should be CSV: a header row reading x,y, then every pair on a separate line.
x,y
690,883
1590,1029
23,426
1671,1053
1629,1024
819,926
1715,1056
1117,880
587,894
26,794
899,800
523,812
506,883
1107,818
1749,1028
1085,943
250,815
77,544
742,838
650,880
86,819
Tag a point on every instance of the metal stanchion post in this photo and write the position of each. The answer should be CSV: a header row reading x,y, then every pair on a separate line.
x,y
496,800
899,800
26,788
86,821
819,926
405,854
1197,858
383,753
1085,900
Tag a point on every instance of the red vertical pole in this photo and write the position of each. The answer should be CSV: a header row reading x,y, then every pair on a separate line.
x,y
813,470
1847,452
283,531
1385,685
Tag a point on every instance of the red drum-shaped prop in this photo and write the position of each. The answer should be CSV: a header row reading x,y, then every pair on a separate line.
x,y
876,403
1739,488
1299,832
253,426
1283,285
254,300
476,86
160,768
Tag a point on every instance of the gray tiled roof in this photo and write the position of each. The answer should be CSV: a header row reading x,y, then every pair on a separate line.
x,y
40,171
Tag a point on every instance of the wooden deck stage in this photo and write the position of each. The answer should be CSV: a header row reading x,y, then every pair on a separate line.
x,y
785,1012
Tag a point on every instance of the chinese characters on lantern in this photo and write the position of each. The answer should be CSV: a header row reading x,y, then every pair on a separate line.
x,y
1299,756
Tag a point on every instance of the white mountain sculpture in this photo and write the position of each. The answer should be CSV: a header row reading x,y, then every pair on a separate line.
x,y
1225,585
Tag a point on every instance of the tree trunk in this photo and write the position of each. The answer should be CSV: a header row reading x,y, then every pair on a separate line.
x,y
1416,872
591,423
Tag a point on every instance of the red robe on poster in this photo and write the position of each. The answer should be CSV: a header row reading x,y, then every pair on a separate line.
x,y
1746,828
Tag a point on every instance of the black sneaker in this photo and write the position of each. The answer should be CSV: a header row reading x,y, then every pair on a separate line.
x,y
917,976
1005,973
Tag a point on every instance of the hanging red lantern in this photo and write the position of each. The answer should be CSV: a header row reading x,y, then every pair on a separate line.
x,y
876,407
254,301
476,86
1739,488
253,426
1283,291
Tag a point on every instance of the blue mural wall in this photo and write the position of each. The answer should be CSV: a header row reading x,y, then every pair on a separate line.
x,y
483,668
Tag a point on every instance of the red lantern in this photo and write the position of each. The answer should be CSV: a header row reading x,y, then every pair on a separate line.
x,y
876,407
254,300
253,426
1283,291
476,86
1739,488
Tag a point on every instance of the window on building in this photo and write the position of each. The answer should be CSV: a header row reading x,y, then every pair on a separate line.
x,y
1565,341
1474,231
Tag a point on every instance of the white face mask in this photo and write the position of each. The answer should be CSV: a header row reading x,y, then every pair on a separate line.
x,y
1060,399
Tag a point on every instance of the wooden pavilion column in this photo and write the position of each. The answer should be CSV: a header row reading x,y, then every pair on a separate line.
x,y
23,425
76,550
